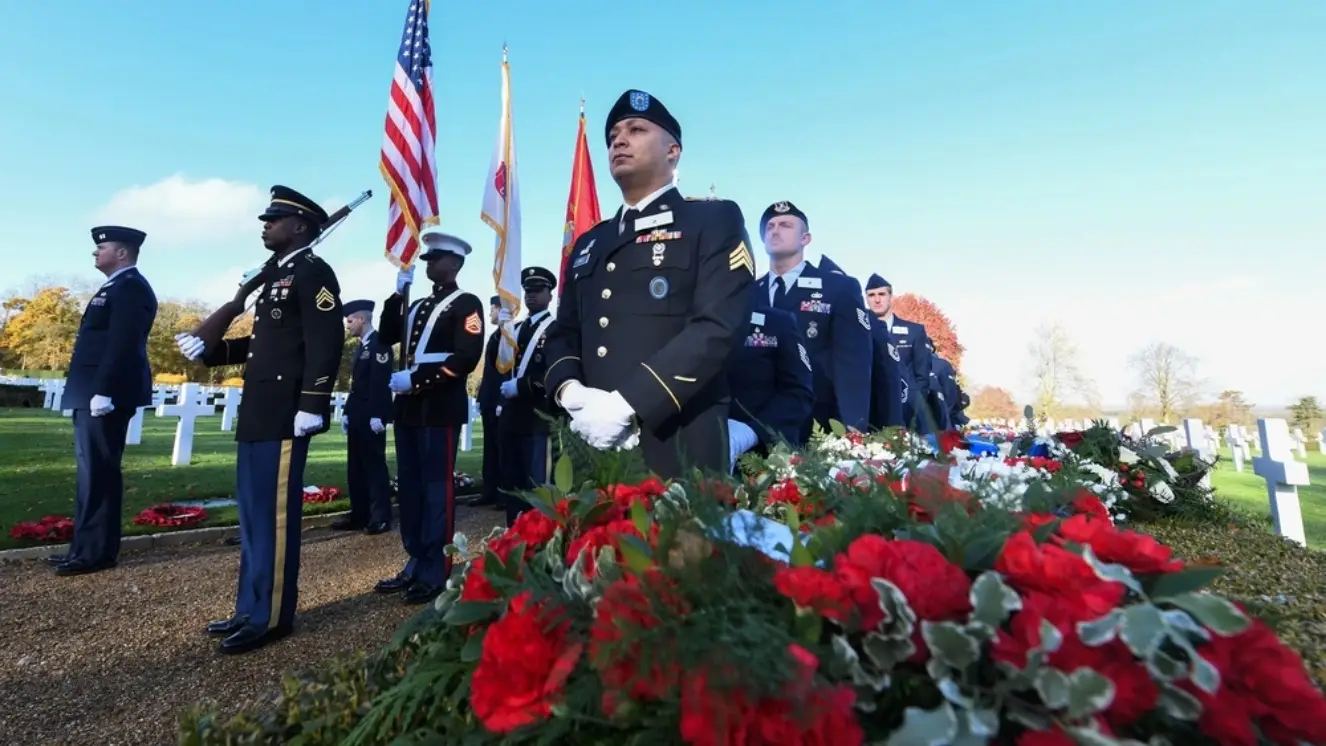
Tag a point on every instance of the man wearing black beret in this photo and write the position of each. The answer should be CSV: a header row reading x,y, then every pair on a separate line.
x,y
655,298
526,452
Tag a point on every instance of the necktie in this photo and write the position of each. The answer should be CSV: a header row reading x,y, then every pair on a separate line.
x,y
779,293
628,221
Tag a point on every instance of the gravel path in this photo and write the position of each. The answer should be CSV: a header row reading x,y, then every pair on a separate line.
x,y
111,658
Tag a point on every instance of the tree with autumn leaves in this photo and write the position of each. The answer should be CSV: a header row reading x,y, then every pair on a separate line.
x,y
937,325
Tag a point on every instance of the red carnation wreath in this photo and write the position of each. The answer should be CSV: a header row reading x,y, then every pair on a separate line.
x,y
48,528
168,515
320,494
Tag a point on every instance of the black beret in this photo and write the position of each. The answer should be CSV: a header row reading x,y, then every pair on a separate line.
x,y
356,306
876,282
286,201
782,208
496,300
537,278
641,105
119,234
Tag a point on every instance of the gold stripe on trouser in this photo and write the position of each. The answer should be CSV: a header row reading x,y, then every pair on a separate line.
x,y
278,547
547,460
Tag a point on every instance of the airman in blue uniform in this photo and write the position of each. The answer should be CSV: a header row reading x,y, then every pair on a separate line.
x,y
526,450
953,401
490,407
364,421
912,343
108,380
290,364
773,391
831,315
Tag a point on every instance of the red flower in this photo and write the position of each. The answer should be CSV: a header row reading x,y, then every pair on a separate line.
x,y
598,537
1062,577
1138,552
785,491
626,494
477,587
949,440
628,607
1085,502
1071,440
524,662
1262,682
48,528
534,528
813,588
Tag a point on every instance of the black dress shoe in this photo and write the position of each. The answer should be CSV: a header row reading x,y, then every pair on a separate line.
x,y
249,638
226,627
55,560
380,527
80,567
394,585
420,593
478,500
345,524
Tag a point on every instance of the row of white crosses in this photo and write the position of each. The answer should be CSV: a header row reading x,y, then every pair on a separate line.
x,y
188,402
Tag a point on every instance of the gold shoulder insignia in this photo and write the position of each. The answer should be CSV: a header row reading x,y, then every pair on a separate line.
x,y
326,301
741,258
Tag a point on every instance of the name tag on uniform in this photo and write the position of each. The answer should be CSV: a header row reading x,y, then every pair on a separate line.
x,y
899,330
810,282
653,221
757,318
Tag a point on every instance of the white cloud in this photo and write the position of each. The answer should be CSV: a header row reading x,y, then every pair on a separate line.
x,y
178,211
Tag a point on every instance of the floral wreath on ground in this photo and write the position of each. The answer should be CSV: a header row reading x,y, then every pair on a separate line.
x,y
52,528
169,515
868,589
315,494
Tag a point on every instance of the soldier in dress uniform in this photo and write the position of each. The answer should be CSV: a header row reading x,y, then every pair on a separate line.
x,y
832,316
526,452
364,421
108,380
773,390
445,344
912,343
490,405
291,360
654,299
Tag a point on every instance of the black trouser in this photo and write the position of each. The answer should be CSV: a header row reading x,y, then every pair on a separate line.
x,y
366,475
492,457
526,464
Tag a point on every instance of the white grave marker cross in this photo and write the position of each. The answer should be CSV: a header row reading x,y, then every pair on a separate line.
x,y
189,408
231,404
1236,446
1283,477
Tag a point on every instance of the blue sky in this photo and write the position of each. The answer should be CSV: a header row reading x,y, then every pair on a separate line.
x,y
1138,171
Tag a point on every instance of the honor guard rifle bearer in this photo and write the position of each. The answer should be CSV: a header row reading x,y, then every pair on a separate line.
x,y
490,406
772,386
445,344
832,316
525,451
912,343
108,379
364,421
654,297
290,364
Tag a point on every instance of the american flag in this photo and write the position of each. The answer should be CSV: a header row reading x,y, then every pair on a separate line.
x,y
408,162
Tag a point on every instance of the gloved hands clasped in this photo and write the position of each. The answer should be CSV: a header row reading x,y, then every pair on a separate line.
x,y
602,418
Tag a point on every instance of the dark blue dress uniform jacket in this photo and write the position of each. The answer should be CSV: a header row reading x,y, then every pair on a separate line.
x,y
490,386
653,312
110,351
913,345
890,390
836,327
370,379
772,385
291,358
454,348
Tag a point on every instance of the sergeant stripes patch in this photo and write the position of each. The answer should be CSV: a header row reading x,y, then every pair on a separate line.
x,y
741,257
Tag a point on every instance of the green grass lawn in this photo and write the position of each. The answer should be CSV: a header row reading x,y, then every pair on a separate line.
x,y
37,468
1246,492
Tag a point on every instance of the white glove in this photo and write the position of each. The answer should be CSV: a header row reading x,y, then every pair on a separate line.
x,y
499,410
101,406
404,278
508,389
576,396
345,425
503,316
306,423
740,438
190,346
376,425
606,422
400,381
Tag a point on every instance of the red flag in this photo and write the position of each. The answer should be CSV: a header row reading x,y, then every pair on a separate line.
x,y
582,206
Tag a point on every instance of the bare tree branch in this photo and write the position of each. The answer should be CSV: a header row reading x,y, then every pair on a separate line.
x,y
1055,372
1167,379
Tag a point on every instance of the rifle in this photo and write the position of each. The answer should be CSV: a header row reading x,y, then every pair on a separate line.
x,y
214,326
